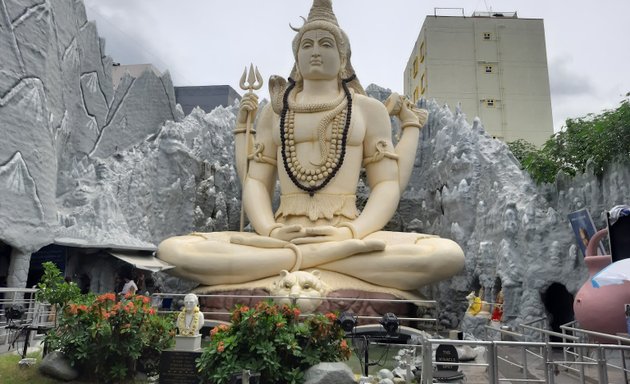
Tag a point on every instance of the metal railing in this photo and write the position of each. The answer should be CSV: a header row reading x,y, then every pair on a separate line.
x,y
35,314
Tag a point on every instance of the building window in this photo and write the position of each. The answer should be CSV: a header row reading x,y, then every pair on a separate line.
x,y
415,95
422,52
423,83
415,67
489,69
490,103
487,36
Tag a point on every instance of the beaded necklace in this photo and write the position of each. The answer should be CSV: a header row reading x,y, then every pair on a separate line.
x,y
312,180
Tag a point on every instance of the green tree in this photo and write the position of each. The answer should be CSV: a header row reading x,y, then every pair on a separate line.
x,y
54,289
603,138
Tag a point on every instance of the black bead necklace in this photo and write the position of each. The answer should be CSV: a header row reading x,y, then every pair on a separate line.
x,y
285,109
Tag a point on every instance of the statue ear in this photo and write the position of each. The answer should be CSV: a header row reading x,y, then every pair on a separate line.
x,y
284,273
315,273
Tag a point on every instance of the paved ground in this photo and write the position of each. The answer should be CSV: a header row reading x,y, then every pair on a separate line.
x,y
510,373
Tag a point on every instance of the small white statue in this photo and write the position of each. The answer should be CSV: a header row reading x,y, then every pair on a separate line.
x,y
190,319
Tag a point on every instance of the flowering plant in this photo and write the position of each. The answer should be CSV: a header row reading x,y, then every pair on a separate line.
x,y
105,338
271,340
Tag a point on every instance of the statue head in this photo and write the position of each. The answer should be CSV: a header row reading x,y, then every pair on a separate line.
x,y
190,302
322,18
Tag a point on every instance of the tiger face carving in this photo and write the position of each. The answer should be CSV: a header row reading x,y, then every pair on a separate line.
x,y
305,289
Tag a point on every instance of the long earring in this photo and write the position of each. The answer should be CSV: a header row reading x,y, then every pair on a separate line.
x,y
343,73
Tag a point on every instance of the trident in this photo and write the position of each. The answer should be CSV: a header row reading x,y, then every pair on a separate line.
x,y
254,82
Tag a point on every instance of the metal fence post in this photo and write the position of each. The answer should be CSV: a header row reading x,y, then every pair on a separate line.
x,y
427,364
493,364
602,369
549,378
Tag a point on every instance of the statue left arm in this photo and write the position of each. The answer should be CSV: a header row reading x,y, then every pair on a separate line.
x,y
382,174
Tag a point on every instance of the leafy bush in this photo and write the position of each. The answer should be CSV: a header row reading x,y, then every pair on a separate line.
x,y
107,340
602,138
271,340
53,289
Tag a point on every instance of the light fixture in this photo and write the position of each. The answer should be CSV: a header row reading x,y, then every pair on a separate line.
x,y
348,321
390,322
15,312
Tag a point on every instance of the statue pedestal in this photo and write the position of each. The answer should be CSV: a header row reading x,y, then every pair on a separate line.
x,y
187,343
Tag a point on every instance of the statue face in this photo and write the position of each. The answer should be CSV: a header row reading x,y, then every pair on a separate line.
x,y
318,56
190,301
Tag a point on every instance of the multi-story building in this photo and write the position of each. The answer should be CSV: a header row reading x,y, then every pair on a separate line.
x,y
207,97
493,64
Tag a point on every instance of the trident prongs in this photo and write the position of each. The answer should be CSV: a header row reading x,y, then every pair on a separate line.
x,y
254,79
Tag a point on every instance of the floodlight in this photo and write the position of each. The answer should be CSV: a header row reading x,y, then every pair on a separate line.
x,y
15,312
390,322
348,321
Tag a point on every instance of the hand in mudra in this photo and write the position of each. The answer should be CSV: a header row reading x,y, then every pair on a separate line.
x,y
288,232
323,234
410,112
298,234
249,103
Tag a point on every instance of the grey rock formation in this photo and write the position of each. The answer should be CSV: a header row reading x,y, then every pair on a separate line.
x,y
57,106
57,366
329,373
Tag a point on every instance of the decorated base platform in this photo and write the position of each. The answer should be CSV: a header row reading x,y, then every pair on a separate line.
x,y
342,293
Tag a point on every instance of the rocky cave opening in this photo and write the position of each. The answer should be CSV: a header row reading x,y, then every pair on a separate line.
x,y
558,302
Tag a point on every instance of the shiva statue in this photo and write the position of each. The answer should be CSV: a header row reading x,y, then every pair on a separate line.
x,y
315,136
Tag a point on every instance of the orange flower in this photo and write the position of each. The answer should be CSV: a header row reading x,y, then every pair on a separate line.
x,y
296,313
221,347
82,308
145,299
279,325
152,311
106,297
331,316
344,345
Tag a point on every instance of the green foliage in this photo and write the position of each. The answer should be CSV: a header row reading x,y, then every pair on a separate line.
x,y
602,139
108,340
54,289
269,339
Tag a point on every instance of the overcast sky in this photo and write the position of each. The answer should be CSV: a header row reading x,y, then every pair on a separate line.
x,y
209,42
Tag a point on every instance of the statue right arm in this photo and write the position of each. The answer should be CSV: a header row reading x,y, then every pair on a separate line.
x,y
261,178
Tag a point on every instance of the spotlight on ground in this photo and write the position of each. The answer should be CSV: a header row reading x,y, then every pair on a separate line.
x,y
15,312
390,322
348,321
